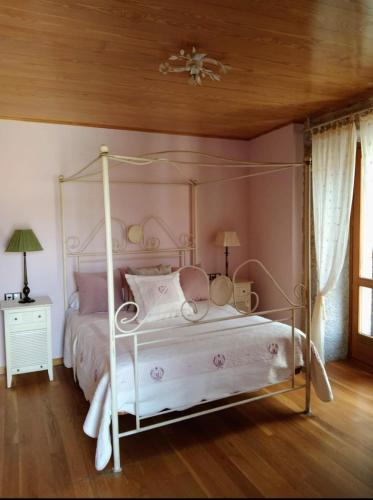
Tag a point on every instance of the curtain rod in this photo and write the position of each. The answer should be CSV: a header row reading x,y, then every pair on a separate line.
x,y
352,115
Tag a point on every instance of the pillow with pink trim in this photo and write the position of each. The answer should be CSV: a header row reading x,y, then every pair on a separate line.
x,y
194,284
92,288
158,297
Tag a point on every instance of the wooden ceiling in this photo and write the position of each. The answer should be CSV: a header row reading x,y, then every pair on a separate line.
x,y
95,62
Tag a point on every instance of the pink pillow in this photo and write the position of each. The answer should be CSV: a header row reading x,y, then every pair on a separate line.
x,y
194,284
92,289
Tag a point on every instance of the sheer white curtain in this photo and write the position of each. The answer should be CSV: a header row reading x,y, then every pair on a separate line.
x,y
333,169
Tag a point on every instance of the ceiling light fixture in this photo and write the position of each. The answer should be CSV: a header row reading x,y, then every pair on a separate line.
x,y
194,64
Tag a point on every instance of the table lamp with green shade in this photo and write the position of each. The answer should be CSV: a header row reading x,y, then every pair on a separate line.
x,y
24,240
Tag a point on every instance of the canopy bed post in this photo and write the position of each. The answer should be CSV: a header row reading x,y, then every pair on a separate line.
x,y
307,218
110,290
136,376
194,208
62,220
293,348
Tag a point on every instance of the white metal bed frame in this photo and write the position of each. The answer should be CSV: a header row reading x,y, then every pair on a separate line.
x,y
180,249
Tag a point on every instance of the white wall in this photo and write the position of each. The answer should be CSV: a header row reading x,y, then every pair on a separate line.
x,y
35,154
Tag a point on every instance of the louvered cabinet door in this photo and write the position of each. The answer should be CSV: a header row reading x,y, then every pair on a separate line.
x,y
241,295
27,330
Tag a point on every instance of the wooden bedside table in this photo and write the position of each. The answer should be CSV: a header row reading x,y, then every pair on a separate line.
x,y
242,295
27,329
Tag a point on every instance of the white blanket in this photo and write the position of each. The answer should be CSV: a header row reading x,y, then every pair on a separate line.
x,y
177,375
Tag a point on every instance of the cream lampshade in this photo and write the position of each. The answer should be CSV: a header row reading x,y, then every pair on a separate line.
x,y
227,239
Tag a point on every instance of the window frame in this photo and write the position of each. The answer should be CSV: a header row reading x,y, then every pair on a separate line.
x,y
360,345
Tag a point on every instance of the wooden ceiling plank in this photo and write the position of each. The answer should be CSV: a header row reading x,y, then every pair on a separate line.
x,y
96,61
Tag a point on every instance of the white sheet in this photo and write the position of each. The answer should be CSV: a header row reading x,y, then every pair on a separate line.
x,y
178,375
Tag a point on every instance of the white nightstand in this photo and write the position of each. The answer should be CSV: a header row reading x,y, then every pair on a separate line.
x,y
27,337
242,295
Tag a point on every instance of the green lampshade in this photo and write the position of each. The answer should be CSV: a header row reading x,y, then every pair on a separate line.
x,y
23,240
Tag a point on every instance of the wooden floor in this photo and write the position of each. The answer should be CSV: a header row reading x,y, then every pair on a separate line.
x,y
264,449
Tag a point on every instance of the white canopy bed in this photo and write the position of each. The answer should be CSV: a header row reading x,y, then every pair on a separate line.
x,y
145,358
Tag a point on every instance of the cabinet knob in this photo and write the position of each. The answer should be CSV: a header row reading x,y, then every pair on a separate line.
x,y
15,319
39,315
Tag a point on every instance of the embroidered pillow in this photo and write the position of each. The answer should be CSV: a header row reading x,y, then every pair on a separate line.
x,y
92,288
158,297
194,284
143,271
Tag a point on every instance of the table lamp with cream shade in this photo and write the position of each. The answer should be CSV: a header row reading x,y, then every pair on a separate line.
x,y
227,239
24,240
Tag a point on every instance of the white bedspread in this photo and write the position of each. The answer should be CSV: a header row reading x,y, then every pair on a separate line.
x,y
178,375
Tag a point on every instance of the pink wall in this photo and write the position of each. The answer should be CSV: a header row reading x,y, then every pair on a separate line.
x,y
275,213
34,154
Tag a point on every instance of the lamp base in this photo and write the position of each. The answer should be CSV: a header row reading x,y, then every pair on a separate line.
x,y
26,290
226,261
26,300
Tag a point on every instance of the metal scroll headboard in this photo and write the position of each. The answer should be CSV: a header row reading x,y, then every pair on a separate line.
x,y
151,238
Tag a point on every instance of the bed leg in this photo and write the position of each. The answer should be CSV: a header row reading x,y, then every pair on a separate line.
x,y
116,450
308,412
117,468
307,409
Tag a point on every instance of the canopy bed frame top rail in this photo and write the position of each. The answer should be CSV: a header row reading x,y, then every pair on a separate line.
x,y
117,328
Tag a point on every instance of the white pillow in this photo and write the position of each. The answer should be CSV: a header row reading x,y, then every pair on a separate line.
x,y
74,300
158,297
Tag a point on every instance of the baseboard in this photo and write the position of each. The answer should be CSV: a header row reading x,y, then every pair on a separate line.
x,y
56,362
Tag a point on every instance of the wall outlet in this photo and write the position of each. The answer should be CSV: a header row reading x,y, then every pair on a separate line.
x,y
13,296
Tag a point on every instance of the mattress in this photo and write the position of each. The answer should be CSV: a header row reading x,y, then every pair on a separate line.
x,y
200,362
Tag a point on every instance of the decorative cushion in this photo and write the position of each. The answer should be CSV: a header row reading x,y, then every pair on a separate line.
x,y
127,294
143,271
194,284
150,270
158,297
92,288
